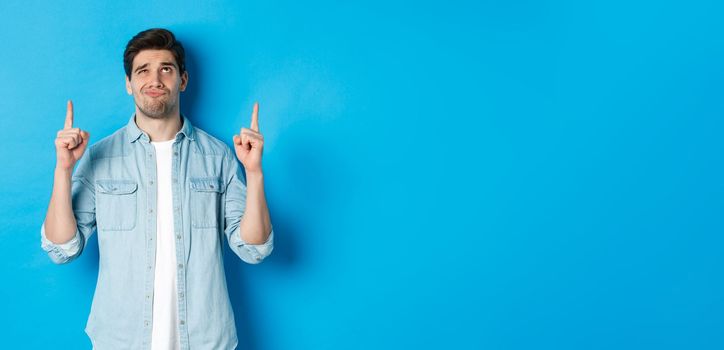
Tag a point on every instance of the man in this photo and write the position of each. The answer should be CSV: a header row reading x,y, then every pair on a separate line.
x,y
163,196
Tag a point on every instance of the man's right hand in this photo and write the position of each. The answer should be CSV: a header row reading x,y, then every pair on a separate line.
x,y
70,143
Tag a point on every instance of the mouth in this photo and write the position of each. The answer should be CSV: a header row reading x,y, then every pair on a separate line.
x,y
154,93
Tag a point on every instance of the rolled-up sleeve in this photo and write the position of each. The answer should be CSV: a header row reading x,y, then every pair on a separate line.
x,y
252,253
60,253
234,206
83,201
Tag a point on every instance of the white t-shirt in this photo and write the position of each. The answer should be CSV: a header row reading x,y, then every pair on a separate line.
x,y
165,335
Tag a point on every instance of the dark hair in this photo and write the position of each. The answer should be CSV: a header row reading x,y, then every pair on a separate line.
x,y
153,39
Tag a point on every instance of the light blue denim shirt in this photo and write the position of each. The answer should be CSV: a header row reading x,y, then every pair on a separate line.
x,y
114,192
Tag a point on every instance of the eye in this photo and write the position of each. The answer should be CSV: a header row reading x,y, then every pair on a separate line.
x,y
141,71
166,69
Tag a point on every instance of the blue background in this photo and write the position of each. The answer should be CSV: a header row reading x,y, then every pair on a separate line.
x,y
472,175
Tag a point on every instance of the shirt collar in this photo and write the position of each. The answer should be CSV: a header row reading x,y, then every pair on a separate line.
x,y
134,133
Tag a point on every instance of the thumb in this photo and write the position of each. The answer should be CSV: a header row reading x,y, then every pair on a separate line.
x,y
80,149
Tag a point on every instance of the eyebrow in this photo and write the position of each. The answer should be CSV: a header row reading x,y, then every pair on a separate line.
x,y
163,64
141,67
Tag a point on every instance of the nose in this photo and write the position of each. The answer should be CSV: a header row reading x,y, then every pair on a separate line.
x,y
155,80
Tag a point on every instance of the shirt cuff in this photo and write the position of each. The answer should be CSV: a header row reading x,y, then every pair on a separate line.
x,y
60,252
257,251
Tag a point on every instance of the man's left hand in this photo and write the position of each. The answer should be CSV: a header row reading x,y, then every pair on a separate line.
x,y
249,143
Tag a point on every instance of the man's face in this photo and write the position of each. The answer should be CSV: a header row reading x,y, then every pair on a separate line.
x,y
156,83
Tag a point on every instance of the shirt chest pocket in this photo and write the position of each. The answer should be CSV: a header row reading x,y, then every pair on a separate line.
x,y
116,205
205,196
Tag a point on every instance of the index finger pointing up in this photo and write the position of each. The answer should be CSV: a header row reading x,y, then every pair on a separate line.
x,y
255,117
69,115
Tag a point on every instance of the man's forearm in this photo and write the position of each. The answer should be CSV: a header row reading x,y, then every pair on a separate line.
x,y
255,223
60,224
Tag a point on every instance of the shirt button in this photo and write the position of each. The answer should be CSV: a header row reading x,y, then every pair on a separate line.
x,y
150,210
150,154
175,153
178,236
181,322
151,182
180,266
149,267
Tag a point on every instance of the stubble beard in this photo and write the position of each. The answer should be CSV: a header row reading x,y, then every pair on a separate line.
x,y
154,108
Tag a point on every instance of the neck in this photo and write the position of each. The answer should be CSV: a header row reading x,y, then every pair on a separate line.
x,y
159,129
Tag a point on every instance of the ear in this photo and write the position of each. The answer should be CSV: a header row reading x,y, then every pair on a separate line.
x,y
129,90
184,80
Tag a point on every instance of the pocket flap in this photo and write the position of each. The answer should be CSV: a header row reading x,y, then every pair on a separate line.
x,y
208,184
116,187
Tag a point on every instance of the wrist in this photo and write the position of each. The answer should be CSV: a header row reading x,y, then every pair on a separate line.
x,y
59,170
254,174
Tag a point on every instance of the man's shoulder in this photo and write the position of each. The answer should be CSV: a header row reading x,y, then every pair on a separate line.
x,y
116,145
110,146
207,144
